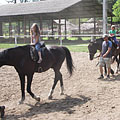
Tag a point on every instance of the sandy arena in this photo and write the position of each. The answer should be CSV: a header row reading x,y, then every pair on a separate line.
x,y
86,97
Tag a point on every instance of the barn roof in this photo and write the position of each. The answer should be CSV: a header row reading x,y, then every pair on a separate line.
x,y
54,9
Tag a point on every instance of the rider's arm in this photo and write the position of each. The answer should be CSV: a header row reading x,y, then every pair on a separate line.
x,y
31,40
36,39
111,34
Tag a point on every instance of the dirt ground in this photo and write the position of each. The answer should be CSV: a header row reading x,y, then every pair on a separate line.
x,y
86,97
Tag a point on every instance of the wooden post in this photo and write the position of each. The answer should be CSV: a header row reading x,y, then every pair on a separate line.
x,y
29,27
79,26
24,28
10,30
1,31
65,30
10,27
18,27
79,38
52,27
94,25
24,25
59,29
41,27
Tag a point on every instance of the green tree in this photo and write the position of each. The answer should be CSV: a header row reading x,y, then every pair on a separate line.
x,y
116,11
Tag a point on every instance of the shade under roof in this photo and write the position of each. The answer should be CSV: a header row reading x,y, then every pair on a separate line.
x,y
54,9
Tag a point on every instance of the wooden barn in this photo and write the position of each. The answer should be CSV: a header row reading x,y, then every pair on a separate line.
x,y
16,19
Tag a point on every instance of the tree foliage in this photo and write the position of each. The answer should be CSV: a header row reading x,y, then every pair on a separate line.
x,y
116,11
21,1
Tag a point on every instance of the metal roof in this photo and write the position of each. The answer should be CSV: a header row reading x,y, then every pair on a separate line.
x,y
54,9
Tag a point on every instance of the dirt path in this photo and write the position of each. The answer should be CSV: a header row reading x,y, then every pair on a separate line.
x,y
86,97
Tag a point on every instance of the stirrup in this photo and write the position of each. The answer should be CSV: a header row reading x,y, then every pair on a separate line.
x,y
40,69
39,61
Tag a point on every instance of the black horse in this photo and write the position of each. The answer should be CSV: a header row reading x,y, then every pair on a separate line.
x,y
97,45
20,58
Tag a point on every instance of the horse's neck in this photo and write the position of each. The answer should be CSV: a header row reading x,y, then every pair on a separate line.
x,y
10,56
3,58
99,44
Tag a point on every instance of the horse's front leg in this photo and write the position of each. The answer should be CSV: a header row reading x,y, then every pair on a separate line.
x,y
29,82
22,81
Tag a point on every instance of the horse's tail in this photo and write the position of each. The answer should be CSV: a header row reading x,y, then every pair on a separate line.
x,y
69,60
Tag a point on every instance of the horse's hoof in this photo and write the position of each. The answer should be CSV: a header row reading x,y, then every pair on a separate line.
x,y
21,102
113,75
61,93
37,98
50,97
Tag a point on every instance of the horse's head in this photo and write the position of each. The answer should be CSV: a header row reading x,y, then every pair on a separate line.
x,y
92,49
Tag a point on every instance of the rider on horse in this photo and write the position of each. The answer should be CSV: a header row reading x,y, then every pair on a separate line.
x,y
35,33
112,34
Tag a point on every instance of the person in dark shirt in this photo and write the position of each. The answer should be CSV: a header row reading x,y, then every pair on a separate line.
x,y
105,56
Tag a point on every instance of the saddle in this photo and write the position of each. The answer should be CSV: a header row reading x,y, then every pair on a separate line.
x,y
112,42
34,53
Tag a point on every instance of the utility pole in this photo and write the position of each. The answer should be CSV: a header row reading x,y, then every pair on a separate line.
x,y
104,16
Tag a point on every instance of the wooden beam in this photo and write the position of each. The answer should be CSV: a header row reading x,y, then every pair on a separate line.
x,y
1,30
52,27
65,29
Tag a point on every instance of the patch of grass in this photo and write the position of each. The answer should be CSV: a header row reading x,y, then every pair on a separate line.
x,y
86,38
70,38
77,48
73,48
3,46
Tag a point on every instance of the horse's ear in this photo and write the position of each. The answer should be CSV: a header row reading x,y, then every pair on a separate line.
x,y
93,41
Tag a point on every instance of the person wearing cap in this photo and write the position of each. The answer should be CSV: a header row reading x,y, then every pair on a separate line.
x,y
105,56
112,34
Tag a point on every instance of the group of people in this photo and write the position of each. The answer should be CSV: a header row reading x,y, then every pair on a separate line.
x,y
106,53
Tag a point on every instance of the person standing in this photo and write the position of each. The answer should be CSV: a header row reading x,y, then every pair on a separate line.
x,y
105,56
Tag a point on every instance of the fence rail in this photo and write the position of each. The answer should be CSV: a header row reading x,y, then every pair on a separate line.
x,y
59,36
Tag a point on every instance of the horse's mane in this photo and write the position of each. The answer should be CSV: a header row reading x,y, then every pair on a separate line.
x,y
25,47
16,51
99,40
